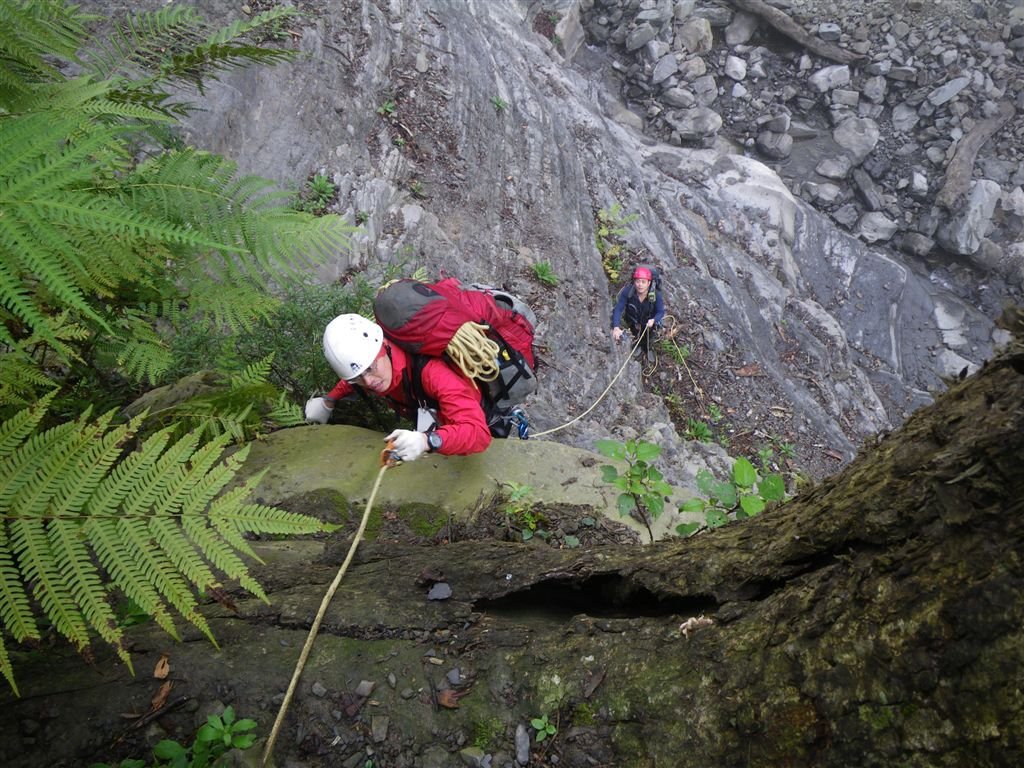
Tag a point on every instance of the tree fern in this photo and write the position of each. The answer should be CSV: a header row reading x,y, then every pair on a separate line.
x,y
149,520
99,256
87,230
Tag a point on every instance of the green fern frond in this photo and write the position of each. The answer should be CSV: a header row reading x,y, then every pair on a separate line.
x,y
15,606
29,31
6,668
236,304
139,43
178,45
20,379
156,521
126,566
83,582
39,567
254,374
286,413
159,573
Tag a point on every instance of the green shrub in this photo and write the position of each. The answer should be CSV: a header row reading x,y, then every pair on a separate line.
x,y
744,495
642,485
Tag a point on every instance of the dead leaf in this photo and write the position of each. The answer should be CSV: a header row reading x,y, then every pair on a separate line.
x,y
753,369
449,699
163,667
161,696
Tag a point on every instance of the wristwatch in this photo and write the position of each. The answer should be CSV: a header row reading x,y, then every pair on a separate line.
x,y
433,442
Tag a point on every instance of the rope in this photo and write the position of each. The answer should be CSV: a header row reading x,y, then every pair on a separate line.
x,y
606,389
268,750
474,353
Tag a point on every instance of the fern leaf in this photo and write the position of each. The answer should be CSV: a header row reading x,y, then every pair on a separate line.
x,y
285,413
15,607
127,567
14,431
219,553
28,31
159,572
254,373
140,43
39,566
6,668
230,509
82,581
124,479
55,475
18,469
168,534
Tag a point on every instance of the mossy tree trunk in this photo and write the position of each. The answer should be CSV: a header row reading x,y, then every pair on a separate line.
x,y
874,621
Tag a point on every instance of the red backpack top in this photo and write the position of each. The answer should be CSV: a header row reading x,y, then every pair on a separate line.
x,y
428,319
423,318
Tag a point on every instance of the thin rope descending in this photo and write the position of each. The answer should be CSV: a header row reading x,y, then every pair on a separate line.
x,y
601,396
269,749
473,352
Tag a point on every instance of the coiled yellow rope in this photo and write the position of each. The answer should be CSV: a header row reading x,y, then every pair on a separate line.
x,y
473,352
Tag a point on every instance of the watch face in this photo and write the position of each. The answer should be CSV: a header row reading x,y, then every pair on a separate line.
x,y
433,440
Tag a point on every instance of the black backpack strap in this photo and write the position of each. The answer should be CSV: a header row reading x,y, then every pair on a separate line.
x,y
412,385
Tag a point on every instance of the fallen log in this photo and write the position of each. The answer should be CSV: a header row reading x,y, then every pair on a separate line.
x,y
783,23
961,167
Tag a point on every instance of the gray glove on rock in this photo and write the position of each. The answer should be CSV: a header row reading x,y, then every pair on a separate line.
x,y
318,411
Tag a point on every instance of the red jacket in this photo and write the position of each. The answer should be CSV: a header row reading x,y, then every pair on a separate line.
x,y
461,423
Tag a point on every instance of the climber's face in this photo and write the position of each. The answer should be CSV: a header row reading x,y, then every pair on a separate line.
x,y
378,376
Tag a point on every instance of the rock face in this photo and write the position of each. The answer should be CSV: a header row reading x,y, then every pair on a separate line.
x,y
464,141
916,85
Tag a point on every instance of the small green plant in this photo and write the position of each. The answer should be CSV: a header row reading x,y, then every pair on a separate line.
x,y
398,141
643,486
387,109
416,188
610,227
698,430
519,511
786,450
543,728
714,413
217,736
362,217
500,105
764,456
679,353
318,192
744,495
544,273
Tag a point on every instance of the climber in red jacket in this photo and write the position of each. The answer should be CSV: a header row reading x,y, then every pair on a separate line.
x,y
357,351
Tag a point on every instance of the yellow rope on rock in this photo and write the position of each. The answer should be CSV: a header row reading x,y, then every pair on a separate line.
x,y
473,352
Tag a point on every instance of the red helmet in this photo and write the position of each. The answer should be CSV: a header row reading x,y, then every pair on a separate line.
x,y
643,273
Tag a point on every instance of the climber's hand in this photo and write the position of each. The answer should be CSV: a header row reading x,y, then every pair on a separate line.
x,y
408,445
318,410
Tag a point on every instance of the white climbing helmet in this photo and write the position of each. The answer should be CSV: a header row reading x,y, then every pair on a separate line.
x,y
351,344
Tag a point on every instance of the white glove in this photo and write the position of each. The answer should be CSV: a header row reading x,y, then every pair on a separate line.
x,y
318,411
408,445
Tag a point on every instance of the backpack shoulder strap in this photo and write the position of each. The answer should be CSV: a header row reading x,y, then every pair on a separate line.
x,y
412,382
